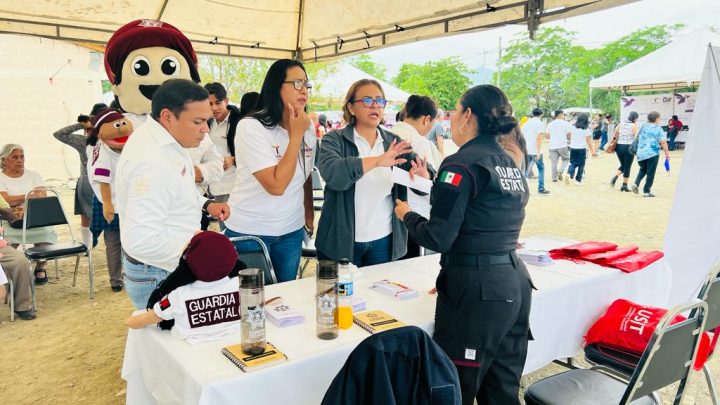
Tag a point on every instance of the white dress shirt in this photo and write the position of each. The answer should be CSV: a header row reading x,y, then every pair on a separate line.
x,y
207,158
373,195
157,201
218,134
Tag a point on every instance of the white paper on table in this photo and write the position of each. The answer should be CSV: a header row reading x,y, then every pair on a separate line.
x,y
402,177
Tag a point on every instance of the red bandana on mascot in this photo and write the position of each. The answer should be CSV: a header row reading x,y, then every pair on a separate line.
x,y
140,56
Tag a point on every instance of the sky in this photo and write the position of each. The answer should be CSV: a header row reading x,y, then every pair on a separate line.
x,y
479,49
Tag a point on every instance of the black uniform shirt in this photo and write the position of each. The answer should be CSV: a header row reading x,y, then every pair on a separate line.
x,y
478,202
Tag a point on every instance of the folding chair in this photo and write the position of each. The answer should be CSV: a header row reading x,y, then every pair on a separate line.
x,y
308,252
48,211
10,297
666,360
259,258
317,185
626,362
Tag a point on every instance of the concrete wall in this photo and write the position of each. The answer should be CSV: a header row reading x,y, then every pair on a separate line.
x,y
32,106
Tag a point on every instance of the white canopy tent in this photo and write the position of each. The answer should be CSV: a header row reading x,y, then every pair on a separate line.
x,y
336,85
677,64
273,29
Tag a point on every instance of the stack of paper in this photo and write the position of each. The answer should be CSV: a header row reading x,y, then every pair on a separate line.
x,y
359,304
534,257
281,314
394,289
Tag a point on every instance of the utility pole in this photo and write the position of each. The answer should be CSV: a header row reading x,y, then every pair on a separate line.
x,y
591,109
499,66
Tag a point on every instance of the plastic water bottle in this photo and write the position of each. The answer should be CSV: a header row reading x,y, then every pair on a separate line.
x,y
345,294
252,312
326,300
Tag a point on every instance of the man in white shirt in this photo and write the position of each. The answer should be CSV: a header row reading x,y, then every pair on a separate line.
x,y
559,131
158,202
222,132
533,131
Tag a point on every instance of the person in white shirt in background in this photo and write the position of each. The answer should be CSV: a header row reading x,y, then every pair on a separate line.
x,y
158,202
559,131
415,121
436,135
534,131
275,150
208,170
580,142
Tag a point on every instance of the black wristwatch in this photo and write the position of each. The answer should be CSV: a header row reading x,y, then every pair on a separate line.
x,y
207,203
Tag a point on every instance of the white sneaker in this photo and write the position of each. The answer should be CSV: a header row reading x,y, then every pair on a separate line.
x,y
578,183
566,179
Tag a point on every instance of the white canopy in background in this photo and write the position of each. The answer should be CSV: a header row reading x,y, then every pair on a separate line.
x,y
693,233
336,85
274,29
677,64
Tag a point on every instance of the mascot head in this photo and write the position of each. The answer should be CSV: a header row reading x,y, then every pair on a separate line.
x,y
112,128
141,55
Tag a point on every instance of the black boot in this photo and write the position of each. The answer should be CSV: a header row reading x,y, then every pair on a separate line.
x,y
624,188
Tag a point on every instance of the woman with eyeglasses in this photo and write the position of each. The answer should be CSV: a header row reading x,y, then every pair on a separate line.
x,y
274,151
357,219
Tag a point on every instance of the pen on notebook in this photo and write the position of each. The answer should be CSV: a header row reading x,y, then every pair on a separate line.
x,y
273,299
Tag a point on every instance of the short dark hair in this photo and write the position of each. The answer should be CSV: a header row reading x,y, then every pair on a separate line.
x,y
582,121
675,117
558,112
633,116
270,107
216,89
537,112
653,116
249,102
97,108
492,109
174,94
420,106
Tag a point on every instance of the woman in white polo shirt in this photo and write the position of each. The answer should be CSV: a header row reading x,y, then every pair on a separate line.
x,y
274,152
357,220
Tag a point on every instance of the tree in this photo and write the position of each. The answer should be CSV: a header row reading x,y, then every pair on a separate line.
x,y
238,75
444,80
366,63
552,73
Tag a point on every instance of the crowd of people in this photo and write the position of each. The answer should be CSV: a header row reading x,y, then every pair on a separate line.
x,y
151,183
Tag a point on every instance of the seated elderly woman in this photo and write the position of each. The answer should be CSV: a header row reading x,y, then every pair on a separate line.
x,y
15,183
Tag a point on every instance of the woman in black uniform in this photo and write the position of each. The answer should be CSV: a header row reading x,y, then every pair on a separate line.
x,y
478,207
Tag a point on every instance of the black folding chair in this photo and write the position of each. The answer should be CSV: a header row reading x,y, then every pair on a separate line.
x,y
259,258
666,360
626,362
48,211
317,185
309,252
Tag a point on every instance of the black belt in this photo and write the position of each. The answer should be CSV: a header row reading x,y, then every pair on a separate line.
x,y
131,260
477,260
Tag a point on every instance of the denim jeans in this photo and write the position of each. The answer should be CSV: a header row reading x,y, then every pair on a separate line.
x,y
374,252
141,280
538,160
285,251
603,140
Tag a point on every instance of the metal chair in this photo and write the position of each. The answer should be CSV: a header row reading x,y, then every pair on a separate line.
x,y
259,258
48,211
666,360
626,362
10,297
309,252
317,185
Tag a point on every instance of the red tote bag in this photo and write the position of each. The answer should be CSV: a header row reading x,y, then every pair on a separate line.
x,y
579,250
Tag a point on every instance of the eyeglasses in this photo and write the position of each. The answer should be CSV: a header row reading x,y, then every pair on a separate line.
x,y
369,101
298,84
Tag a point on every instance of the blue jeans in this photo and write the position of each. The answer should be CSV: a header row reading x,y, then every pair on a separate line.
x,y
603,140
285,251
140,281
538,160
374,252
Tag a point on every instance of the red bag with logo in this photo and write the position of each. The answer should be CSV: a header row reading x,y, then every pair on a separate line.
x,y
637,261
605,258
629,326
581,249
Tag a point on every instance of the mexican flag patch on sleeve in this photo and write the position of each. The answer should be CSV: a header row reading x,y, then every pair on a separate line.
x,y
450,178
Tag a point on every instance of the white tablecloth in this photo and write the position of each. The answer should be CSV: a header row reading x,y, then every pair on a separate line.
x,y
161,369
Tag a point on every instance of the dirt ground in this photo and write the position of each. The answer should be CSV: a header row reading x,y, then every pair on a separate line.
x,y
73,352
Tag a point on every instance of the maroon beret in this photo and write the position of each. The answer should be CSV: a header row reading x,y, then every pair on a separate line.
x,y
144,33
210,256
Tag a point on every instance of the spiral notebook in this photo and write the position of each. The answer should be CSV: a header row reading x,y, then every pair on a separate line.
x,y
246,362
376,321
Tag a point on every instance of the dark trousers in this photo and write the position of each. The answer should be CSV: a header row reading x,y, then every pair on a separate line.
x,y
625,158
603,140
577,162
647,167
671,140
482,323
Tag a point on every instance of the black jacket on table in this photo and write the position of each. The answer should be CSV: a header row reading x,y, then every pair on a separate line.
x,y
478,202
399,366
